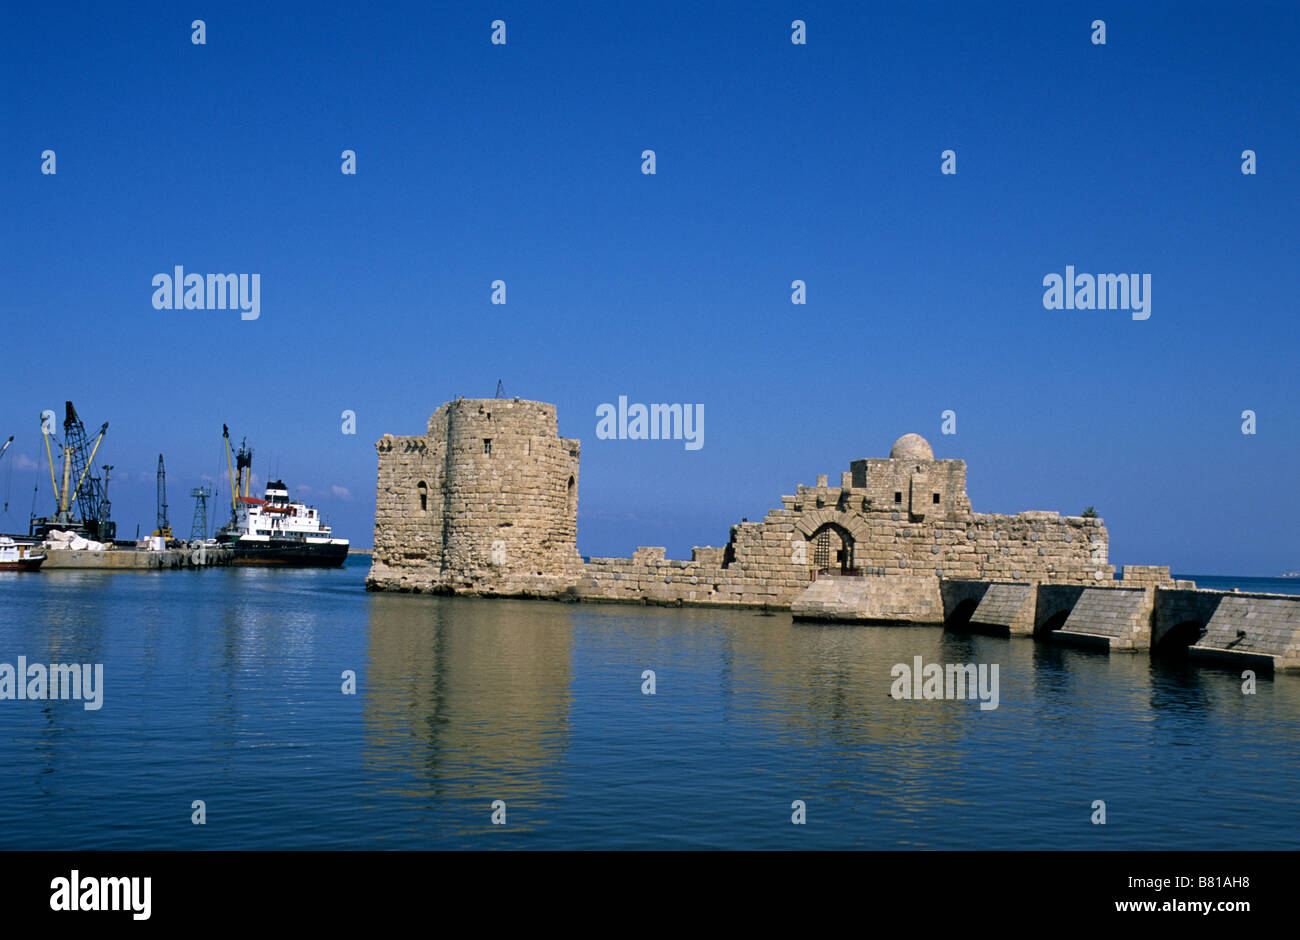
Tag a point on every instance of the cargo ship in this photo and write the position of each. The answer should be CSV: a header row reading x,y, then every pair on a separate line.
x,y
275,530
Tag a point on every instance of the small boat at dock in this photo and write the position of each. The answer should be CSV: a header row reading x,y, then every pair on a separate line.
x,y
20,556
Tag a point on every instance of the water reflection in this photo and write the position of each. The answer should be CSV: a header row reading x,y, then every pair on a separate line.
x,y
468,700
225,685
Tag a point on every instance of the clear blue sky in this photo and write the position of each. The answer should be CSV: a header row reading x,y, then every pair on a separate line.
x,y
775,162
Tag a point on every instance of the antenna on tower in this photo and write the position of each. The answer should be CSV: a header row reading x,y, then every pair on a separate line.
x,y
501,390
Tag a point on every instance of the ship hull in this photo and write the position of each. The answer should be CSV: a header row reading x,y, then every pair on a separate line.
x,y
23,564
288,553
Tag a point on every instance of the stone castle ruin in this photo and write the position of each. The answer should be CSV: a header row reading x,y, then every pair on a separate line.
x,y
485,502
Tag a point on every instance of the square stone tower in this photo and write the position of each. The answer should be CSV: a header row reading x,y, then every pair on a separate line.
x,y
912,482
485,501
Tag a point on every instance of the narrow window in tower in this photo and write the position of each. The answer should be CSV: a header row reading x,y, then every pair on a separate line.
x,y
898,497
487,445
936,499
423,490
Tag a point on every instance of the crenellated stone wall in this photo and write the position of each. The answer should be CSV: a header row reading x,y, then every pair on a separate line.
x,y
924,529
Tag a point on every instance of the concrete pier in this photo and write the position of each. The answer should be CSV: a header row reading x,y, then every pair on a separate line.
x,y
128,559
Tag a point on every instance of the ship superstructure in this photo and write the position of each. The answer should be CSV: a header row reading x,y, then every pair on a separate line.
x,y
275,530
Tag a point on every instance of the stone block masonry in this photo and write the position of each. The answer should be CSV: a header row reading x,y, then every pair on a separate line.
x,y
1253,627
1006,608
902,518
1121,618
485,502
871,600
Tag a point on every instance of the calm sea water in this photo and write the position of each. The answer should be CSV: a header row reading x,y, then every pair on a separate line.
x,y
224,686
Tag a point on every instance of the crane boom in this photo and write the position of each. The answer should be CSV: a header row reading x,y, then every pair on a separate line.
x,y
81,502
164,527
234,490
90,461
49,455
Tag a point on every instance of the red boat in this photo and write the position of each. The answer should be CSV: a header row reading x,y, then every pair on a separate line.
x,y
16,556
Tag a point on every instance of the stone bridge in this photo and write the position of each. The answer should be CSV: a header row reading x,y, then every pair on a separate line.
x,y
1261,630
1163,616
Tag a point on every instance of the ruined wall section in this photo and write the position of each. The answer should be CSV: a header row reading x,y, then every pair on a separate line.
x,y
484,502
770,563
408,551
708,578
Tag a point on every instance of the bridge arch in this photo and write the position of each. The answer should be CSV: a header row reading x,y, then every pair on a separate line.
x,y
959,618
1053,606
1052,623
1176,640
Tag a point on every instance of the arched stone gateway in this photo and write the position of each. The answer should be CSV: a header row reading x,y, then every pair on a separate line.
x,y
832,549
851,523
831,537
